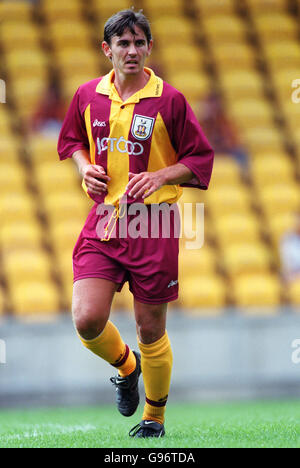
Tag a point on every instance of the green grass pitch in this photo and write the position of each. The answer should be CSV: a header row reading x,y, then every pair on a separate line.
x,y
247,424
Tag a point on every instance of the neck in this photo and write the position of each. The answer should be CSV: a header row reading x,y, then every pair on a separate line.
x,y
127,85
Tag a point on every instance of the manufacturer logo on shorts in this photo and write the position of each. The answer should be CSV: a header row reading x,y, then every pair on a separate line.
x,y
142,127
172,283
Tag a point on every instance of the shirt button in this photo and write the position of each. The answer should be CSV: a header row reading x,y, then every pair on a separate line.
x,y
122,107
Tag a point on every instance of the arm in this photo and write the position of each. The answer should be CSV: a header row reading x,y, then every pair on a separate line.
x,y
94,176
146,183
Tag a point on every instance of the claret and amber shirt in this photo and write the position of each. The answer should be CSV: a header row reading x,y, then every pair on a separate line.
x,y
153,129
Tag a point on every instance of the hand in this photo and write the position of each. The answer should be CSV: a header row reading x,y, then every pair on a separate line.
x,y
144,184
95,178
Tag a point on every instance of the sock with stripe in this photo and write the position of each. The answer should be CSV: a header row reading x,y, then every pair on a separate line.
x,y
156,362
110,347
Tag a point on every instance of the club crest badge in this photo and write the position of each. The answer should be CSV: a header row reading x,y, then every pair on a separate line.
x,y
142,127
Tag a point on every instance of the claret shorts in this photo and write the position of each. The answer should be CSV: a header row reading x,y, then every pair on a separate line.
x,y
139,248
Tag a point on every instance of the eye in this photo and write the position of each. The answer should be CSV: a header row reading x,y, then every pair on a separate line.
x,y
140,43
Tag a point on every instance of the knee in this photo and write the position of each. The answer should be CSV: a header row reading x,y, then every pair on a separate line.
x,y
88,324
149,333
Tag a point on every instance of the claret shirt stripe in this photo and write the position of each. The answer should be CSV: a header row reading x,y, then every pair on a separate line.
x,y
87,117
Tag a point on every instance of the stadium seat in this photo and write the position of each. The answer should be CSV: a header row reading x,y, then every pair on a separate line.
x,y
123,301
245,258
238,84
282,80
157,9
30,264
258,139
229,199
55,177
35,298
20,235
172,29
275,24
214,7
272,168
12,176
62,34
106,9
27,64
54,10
229,56
236,228
226,171
18,11
267,6
203,291
65,234
9,148
293,292
197,262
42,149
19,36
279,198
261,290
5,122
28,94
251,113
277,224
224,28
16,206
75,61
191,58
66,205
2,301
283,53
193,85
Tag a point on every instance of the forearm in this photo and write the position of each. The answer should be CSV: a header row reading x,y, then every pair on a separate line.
x,y
82,159
176,174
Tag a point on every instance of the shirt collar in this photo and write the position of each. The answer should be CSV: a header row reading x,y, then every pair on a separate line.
x,y
153,88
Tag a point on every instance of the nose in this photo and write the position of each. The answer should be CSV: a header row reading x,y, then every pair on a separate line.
x,y
132,49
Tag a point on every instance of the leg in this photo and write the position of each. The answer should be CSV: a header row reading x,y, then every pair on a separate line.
x,y
92,299
156,358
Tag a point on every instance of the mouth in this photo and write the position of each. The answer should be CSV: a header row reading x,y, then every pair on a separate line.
x,y
131,62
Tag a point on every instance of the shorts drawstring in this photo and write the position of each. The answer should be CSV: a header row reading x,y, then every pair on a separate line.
x,y
116,214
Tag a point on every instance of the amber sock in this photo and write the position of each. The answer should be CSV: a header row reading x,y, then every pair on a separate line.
x,y
110,347
156,362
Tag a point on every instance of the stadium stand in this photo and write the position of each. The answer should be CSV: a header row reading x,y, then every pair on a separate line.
x,y
249,51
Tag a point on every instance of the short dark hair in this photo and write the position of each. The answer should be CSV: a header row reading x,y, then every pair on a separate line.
x,y
126,19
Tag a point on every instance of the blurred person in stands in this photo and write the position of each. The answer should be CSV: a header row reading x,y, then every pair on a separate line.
x,y
219,130
48,117
135,141
290,252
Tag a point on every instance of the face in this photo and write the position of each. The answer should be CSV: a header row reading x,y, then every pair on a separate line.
x,y
128,52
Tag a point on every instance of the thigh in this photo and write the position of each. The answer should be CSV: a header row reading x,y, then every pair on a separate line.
x,y
91,304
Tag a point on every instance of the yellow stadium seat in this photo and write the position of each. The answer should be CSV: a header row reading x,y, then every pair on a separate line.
x,y
156,8
278,224
123,301
282,54
226,171
42,149
9,148
2,301
258,139
279,198
214,7
54,10
233,55
266,6
54,177
224,28
5,122
193,263
282,80
27,64
245,258
62,34
251,113
292,113
193,85
16,11
204,291
272,169
65,234
71,84
28,94
106,9
230,199
236,228
262,290
241,84
16,206
29,264
174,29
66,205
12,176
20,235
293,292
191,58
74,61
35,298
276,24
19,35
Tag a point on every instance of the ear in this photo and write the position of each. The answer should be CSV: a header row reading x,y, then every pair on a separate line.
x,y
107,50
150,47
